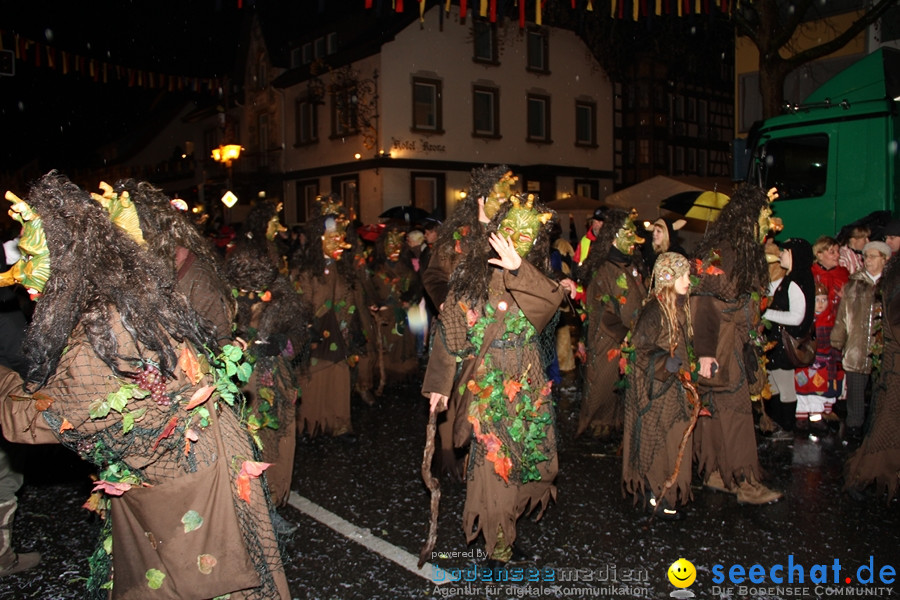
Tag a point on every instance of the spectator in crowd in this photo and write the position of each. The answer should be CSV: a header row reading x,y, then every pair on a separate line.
x,y
791,308
851,242
857,332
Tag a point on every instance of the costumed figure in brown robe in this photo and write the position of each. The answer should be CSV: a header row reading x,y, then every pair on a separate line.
x,y
733,277
330,283
171,234
657,407
495,311
273,321
877,460
392,287
464,230
123,371
614,292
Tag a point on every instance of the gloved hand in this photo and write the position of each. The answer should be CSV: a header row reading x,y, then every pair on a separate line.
x,y
673,363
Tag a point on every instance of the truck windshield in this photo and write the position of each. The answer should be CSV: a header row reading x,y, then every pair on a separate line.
x,y
797,166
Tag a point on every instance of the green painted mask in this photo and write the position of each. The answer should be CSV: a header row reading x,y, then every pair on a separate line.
x,y
764,224
627,238
501,193
393,245
122,211
33,269
522,225
334,238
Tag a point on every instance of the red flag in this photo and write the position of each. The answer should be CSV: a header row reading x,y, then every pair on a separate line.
x,y
493,11
522,14
462,9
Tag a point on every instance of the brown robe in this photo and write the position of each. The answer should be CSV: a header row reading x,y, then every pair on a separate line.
x,y
81,378
611,311
725,442
492,503
339,329
657,411
394,287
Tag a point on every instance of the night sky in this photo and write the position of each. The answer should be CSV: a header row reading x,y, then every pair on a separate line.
x,y
61,119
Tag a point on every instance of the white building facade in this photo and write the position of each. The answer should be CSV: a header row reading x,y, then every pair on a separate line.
x,y
406,123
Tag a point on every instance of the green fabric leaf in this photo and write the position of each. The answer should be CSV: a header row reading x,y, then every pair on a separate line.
x,y
192,520
155,578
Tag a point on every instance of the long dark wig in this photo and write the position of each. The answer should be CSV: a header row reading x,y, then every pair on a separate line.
x,y
470,279
98,270
165,228
481,183
738,226
284,316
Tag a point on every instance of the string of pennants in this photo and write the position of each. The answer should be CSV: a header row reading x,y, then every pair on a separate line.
x,y
39,54
618,9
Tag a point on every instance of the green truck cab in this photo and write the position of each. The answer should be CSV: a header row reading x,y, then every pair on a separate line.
x,y
835,157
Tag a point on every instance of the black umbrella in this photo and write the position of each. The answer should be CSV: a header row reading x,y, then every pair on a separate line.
x,y
407,214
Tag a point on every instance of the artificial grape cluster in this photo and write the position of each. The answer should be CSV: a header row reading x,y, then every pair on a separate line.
x,y
149,378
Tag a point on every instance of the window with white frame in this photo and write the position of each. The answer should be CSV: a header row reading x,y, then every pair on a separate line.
x,y
307,122
537,50
427,108
307,192
585,123
485,111
344,111
538,118
348,187
428,191
485,38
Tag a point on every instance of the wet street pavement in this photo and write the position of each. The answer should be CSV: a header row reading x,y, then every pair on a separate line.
x,y
591,543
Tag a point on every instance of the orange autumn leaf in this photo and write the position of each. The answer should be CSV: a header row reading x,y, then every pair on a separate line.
x,y
623,364
472,386
511,388
189,364
266,297
545,391
612,354
622,299
200,396
502,466
111,488
249,470
42,401
714,270
243,485
166,432
254,469
486,392
65,426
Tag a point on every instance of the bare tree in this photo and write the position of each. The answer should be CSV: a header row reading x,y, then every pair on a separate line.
x,y
771,26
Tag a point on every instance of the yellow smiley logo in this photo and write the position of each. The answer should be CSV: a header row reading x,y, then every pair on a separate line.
x,y
682,573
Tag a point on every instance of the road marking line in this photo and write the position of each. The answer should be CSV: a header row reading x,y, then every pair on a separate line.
x,y
365,537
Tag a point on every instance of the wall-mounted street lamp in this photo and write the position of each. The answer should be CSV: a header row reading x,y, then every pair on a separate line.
x,y
227,153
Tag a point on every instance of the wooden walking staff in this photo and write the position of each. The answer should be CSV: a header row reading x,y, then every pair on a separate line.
x,y
433,485
379,345
694,398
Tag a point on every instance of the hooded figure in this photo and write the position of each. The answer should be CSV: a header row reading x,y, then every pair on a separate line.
x,y
657,409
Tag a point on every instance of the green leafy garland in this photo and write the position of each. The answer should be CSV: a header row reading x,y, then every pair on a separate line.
x,y
508,410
